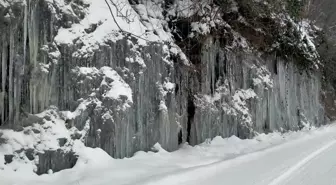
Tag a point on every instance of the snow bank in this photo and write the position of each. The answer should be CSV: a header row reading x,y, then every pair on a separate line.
x,y
93,164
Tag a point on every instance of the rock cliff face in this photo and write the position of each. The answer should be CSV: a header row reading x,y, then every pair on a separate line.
x,y
124,94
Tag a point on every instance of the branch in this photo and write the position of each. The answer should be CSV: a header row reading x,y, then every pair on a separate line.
x,y
114,19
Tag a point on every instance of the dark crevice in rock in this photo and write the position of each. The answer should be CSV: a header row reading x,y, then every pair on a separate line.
x,y
176,89
62,141
217,67
180,137
76,136
267,123
191,113
192,47
211,87
182,30
30,154
8,159
275,67
133,2
91,29
56,160
266,128
225,64
168,3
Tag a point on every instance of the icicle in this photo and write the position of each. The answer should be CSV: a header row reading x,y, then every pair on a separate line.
x,y
4,77
44,93
19,63
33,49
11,97
1,92
16,80
25,34
21,71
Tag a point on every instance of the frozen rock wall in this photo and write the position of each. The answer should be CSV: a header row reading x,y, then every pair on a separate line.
x,y
124,96
241,93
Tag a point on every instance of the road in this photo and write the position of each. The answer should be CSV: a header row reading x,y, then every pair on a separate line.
x,y
303,162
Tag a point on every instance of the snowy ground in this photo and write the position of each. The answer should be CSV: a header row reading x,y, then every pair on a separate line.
x,y
305,157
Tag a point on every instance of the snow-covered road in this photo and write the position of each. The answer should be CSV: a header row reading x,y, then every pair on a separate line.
x,y
308,162
305,157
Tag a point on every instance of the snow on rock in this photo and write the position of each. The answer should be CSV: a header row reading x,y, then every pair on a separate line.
x,y
151,14
88,70
263,76
107,81
98,26
162,106
26,146
239,103
307,40
118,87
4,3
158,148
164,89
90,156
169,86
201,28
80,108
41,137
135,55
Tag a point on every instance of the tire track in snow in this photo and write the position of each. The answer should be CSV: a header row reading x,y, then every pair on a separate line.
x,y
301,163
